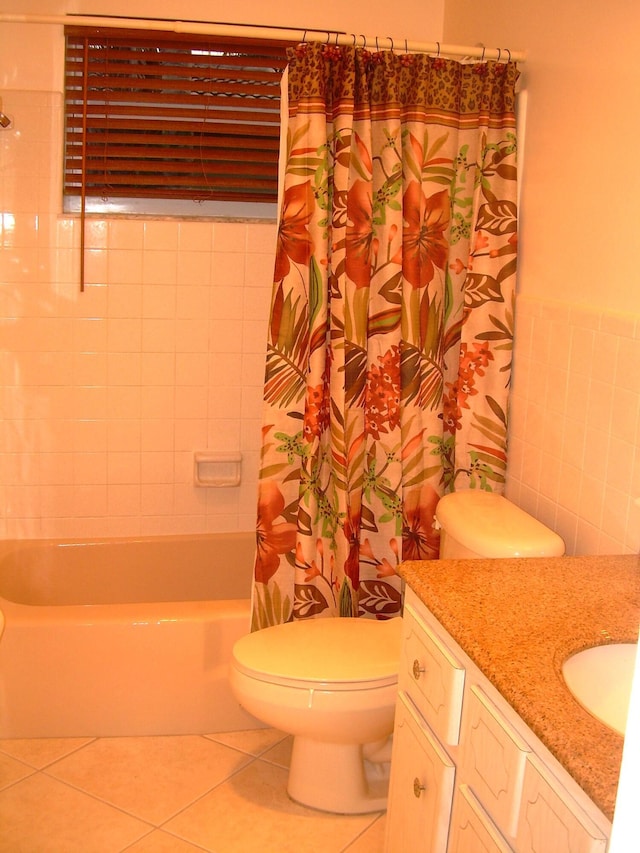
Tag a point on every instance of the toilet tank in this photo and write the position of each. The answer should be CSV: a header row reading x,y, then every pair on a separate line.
x,y
481,524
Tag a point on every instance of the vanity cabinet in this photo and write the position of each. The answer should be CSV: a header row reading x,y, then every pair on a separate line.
x,y
467,774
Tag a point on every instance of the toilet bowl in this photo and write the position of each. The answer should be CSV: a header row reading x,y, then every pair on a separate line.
x,y
332,684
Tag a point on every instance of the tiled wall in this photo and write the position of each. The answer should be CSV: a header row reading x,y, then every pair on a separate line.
x,y
105,395
575,424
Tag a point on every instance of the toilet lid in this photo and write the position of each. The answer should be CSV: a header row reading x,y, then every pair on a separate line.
x,y
323,651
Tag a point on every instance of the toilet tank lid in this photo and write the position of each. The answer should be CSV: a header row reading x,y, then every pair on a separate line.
x,y
322,650
492,526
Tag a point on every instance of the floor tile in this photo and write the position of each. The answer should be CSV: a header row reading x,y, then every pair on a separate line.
x,y
161,842
152,778
12,771
252,812
41,814
253,741
372,839
280,753
39,752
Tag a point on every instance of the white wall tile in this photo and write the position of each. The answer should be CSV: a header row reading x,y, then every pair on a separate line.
x,y
158,298
230,237
574,450
124,266
160,235
127,234
195,237
193,267
124,467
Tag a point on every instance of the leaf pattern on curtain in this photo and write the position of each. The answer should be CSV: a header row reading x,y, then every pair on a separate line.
x,y
389,344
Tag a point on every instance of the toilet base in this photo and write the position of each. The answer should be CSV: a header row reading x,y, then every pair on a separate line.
x,y
334,777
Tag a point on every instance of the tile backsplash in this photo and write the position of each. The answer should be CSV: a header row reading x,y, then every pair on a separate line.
x,y
106,394
575,424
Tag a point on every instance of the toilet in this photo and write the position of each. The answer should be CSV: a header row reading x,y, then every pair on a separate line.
x,y
482,524
332,684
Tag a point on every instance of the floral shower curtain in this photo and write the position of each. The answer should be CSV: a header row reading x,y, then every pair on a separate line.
x,y
389,343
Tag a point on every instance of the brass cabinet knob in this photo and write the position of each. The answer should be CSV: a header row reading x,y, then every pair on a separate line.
x,y
417,669
418,788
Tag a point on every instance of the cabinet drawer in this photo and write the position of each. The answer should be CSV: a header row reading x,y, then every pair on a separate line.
x,y
550,819
493,759
433,678
421,786
472,830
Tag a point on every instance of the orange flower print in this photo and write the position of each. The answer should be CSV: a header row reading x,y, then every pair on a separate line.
x,y
316,413
451,411
474,361
424,244
318,406
482,241
419,539
472,364
361,244
384,569
382,401
294,240
311,569
273,539
457,266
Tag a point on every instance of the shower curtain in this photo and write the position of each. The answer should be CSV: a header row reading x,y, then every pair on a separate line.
x,y
389,342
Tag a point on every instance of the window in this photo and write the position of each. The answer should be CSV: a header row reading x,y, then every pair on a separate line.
x,y
152,115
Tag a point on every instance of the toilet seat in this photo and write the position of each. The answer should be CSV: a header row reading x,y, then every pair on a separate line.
x,y
323,654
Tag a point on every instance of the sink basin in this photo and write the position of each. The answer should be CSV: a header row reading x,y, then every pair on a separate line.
x,y
600,679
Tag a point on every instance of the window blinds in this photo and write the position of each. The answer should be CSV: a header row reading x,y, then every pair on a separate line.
x,y
158,115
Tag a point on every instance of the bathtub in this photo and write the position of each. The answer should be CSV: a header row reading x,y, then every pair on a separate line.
x,y
118,637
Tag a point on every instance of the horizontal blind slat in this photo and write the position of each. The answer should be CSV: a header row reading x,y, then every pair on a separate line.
x,y
181,62
175,112
244,194
108,85
209,149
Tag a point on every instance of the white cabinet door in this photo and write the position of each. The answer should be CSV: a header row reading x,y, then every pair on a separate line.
x,y
421,789
493,759
550,819
472,830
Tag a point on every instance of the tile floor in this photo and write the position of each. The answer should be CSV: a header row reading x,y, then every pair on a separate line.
x,y
184,794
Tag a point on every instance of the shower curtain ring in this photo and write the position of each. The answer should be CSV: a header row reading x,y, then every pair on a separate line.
x,y
304,37
364,40
483,52
509,52
391,40
499,54
438,53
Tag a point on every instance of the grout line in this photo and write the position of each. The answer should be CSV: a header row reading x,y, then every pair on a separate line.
x,y
378,816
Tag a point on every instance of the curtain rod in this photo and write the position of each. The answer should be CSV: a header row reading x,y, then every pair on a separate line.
x,y
250,31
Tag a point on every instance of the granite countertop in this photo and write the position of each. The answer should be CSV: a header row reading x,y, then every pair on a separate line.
x,y
518,620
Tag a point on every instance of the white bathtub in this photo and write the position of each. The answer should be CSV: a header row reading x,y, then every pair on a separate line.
x,y
122,636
